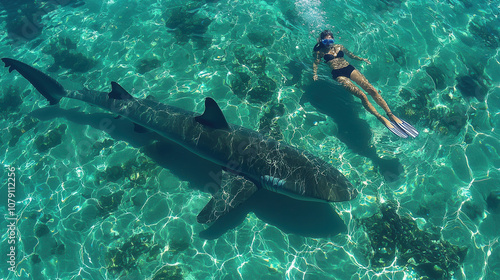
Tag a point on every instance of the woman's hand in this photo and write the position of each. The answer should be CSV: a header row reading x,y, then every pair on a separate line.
x,y
315,77
366,60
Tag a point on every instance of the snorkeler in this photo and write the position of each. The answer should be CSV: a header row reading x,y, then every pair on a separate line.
x,y
345,74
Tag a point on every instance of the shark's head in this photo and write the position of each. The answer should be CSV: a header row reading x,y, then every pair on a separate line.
x,y
307,177
331,185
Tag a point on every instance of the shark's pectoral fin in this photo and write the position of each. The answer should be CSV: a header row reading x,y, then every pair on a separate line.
x,y
213,116
234,191
118,92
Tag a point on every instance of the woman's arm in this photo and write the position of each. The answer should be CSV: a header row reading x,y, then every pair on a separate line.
x,y
317,61
353,56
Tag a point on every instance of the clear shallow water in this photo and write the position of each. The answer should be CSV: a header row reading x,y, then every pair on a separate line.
x,y
104,191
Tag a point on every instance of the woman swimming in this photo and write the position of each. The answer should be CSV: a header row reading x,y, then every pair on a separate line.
x,y
345,74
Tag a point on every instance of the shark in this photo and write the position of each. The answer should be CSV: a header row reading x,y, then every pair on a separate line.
x,y
250,161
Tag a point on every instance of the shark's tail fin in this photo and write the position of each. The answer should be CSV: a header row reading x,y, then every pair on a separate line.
x,y
48,87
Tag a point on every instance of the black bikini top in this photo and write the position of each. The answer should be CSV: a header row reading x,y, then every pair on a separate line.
x,y
330,56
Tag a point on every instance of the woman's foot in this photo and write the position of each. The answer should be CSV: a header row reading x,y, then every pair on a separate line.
x,y
393,118
393,127
403,125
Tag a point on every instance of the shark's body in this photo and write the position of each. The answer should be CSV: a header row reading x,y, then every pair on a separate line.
x,y
251,161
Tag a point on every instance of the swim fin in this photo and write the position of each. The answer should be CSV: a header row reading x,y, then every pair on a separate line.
x,y
408,128
397,130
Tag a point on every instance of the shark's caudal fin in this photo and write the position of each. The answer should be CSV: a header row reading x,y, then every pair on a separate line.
x,y
48,87
213,116
234,191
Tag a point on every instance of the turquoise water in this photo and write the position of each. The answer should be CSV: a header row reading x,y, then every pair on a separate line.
x,y
100,203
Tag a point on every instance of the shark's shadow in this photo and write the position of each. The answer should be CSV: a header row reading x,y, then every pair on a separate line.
x,y
305,218
334,101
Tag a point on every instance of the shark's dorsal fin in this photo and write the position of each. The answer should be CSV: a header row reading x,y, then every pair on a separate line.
x,y
213,116
118,92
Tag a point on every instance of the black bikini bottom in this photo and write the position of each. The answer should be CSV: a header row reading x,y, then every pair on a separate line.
x,y
346,72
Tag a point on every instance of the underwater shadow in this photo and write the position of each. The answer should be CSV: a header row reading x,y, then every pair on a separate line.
x,y
312,219
305,218
334,101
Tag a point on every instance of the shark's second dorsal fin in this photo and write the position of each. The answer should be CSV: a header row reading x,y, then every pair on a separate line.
x,y
117,92
213,116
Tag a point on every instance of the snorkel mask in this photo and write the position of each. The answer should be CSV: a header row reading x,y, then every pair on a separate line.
x,y
328,42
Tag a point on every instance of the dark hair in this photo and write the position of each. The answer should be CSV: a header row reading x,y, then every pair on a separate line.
x,y
325,33
322,36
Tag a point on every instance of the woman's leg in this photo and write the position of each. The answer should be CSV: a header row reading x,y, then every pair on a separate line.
x,y
365,84
405,129
356,91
